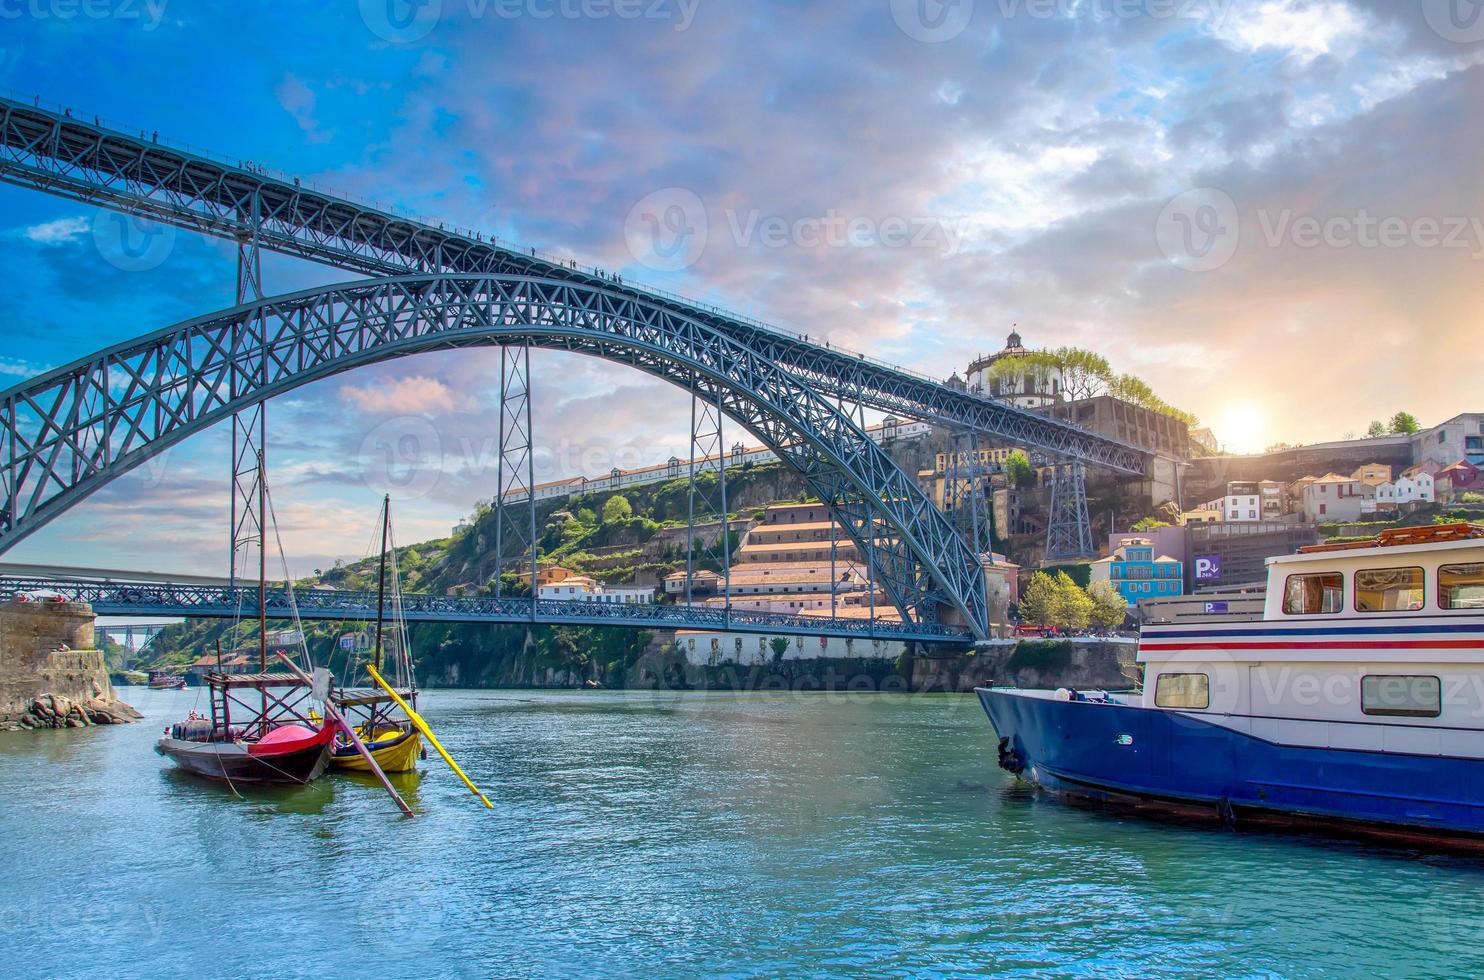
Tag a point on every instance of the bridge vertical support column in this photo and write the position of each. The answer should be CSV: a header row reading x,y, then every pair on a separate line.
x,y
250,427
708,454
515,471
1069,529
965,501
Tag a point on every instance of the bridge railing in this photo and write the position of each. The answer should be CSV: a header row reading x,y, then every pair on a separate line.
x,y
220,601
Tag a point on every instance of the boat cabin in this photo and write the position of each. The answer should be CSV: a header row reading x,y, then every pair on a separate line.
x,y
1375,644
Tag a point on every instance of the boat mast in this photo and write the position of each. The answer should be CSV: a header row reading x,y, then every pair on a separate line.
x,y
262,589
386,520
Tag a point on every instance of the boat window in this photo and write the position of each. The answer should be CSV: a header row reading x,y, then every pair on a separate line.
x,y
1182,691
1307,595
1461,586
1401,696
1388,590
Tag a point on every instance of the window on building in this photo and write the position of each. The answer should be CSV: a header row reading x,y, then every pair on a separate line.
x,y
1307,595
1183,691
1388,590
1461,586
1401,696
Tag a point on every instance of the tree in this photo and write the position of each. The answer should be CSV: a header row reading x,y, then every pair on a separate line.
x,y
1018,469
1072,607
780,647
1404,424
1038,602
1149,524
617,509
1376,430
1109,610
1084,373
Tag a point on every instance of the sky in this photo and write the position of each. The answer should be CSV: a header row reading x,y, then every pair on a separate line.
x,y
1271,210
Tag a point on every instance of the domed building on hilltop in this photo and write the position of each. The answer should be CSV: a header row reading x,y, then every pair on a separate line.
x,y
1037,387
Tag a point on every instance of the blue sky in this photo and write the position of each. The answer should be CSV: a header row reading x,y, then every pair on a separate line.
x,y
1270,209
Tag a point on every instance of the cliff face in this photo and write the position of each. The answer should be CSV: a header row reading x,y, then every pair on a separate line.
x,y
46,648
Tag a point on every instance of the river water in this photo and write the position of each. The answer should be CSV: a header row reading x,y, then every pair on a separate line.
x,y
678,835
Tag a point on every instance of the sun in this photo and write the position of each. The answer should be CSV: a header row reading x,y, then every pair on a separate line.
x,y
1241,428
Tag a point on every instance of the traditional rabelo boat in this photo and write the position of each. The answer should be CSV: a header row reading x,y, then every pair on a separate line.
x,y
275,740
377,717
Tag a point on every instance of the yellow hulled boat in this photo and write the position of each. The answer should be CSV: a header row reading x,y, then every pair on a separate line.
x,y
394,749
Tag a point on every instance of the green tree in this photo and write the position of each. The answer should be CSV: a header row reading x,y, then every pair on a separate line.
x,y
780,647
617,509
1109,610
1149,524
1404,424
1377,429
1072,608
1038,602
1018,469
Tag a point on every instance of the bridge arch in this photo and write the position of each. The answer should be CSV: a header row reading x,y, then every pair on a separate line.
x,y
70,431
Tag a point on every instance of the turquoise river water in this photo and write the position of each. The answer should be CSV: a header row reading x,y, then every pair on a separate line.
x,y
679,835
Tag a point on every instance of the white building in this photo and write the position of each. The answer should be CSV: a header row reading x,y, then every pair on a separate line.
x,y
581,588
1243,502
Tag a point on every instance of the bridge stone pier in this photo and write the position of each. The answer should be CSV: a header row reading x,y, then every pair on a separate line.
x,y
46,648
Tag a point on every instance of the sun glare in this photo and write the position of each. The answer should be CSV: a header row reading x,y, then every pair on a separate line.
x,y
1241,429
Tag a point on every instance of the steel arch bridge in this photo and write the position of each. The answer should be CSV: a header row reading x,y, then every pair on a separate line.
x,y
70,157
73,429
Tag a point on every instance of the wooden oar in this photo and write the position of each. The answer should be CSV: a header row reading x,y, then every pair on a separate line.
x,y
422,726
333,712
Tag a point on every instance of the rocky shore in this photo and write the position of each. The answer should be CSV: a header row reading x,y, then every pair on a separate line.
x,y
56,711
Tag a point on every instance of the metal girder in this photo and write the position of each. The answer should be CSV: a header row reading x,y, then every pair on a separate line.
x,y
1068,528
706,496
966,492
75,159
157,390
223,602
249,427
515,493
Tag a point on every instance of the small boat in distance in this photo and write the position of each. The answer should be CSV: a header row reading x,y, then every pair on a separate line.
x,y
1353,704
166,680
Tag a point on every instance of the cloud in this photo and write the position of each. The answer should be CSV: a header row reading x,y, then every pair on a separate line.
x,y
417,395
62,231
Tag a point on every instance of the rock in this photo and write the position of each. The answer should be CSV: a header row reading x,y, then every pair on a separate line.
x,y
76,723
27,722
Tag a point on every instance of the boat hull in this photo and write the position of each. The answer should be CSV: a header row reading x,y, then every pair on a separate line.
x,y
232,762
398,753
1166,761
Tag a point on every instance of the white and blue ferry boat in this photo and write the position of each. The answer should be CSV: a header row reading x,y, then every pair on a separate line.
x,y
1355,703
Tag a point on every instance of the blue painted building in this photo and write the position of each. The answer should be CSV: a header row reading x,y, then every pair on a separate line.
x,y
1136,573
